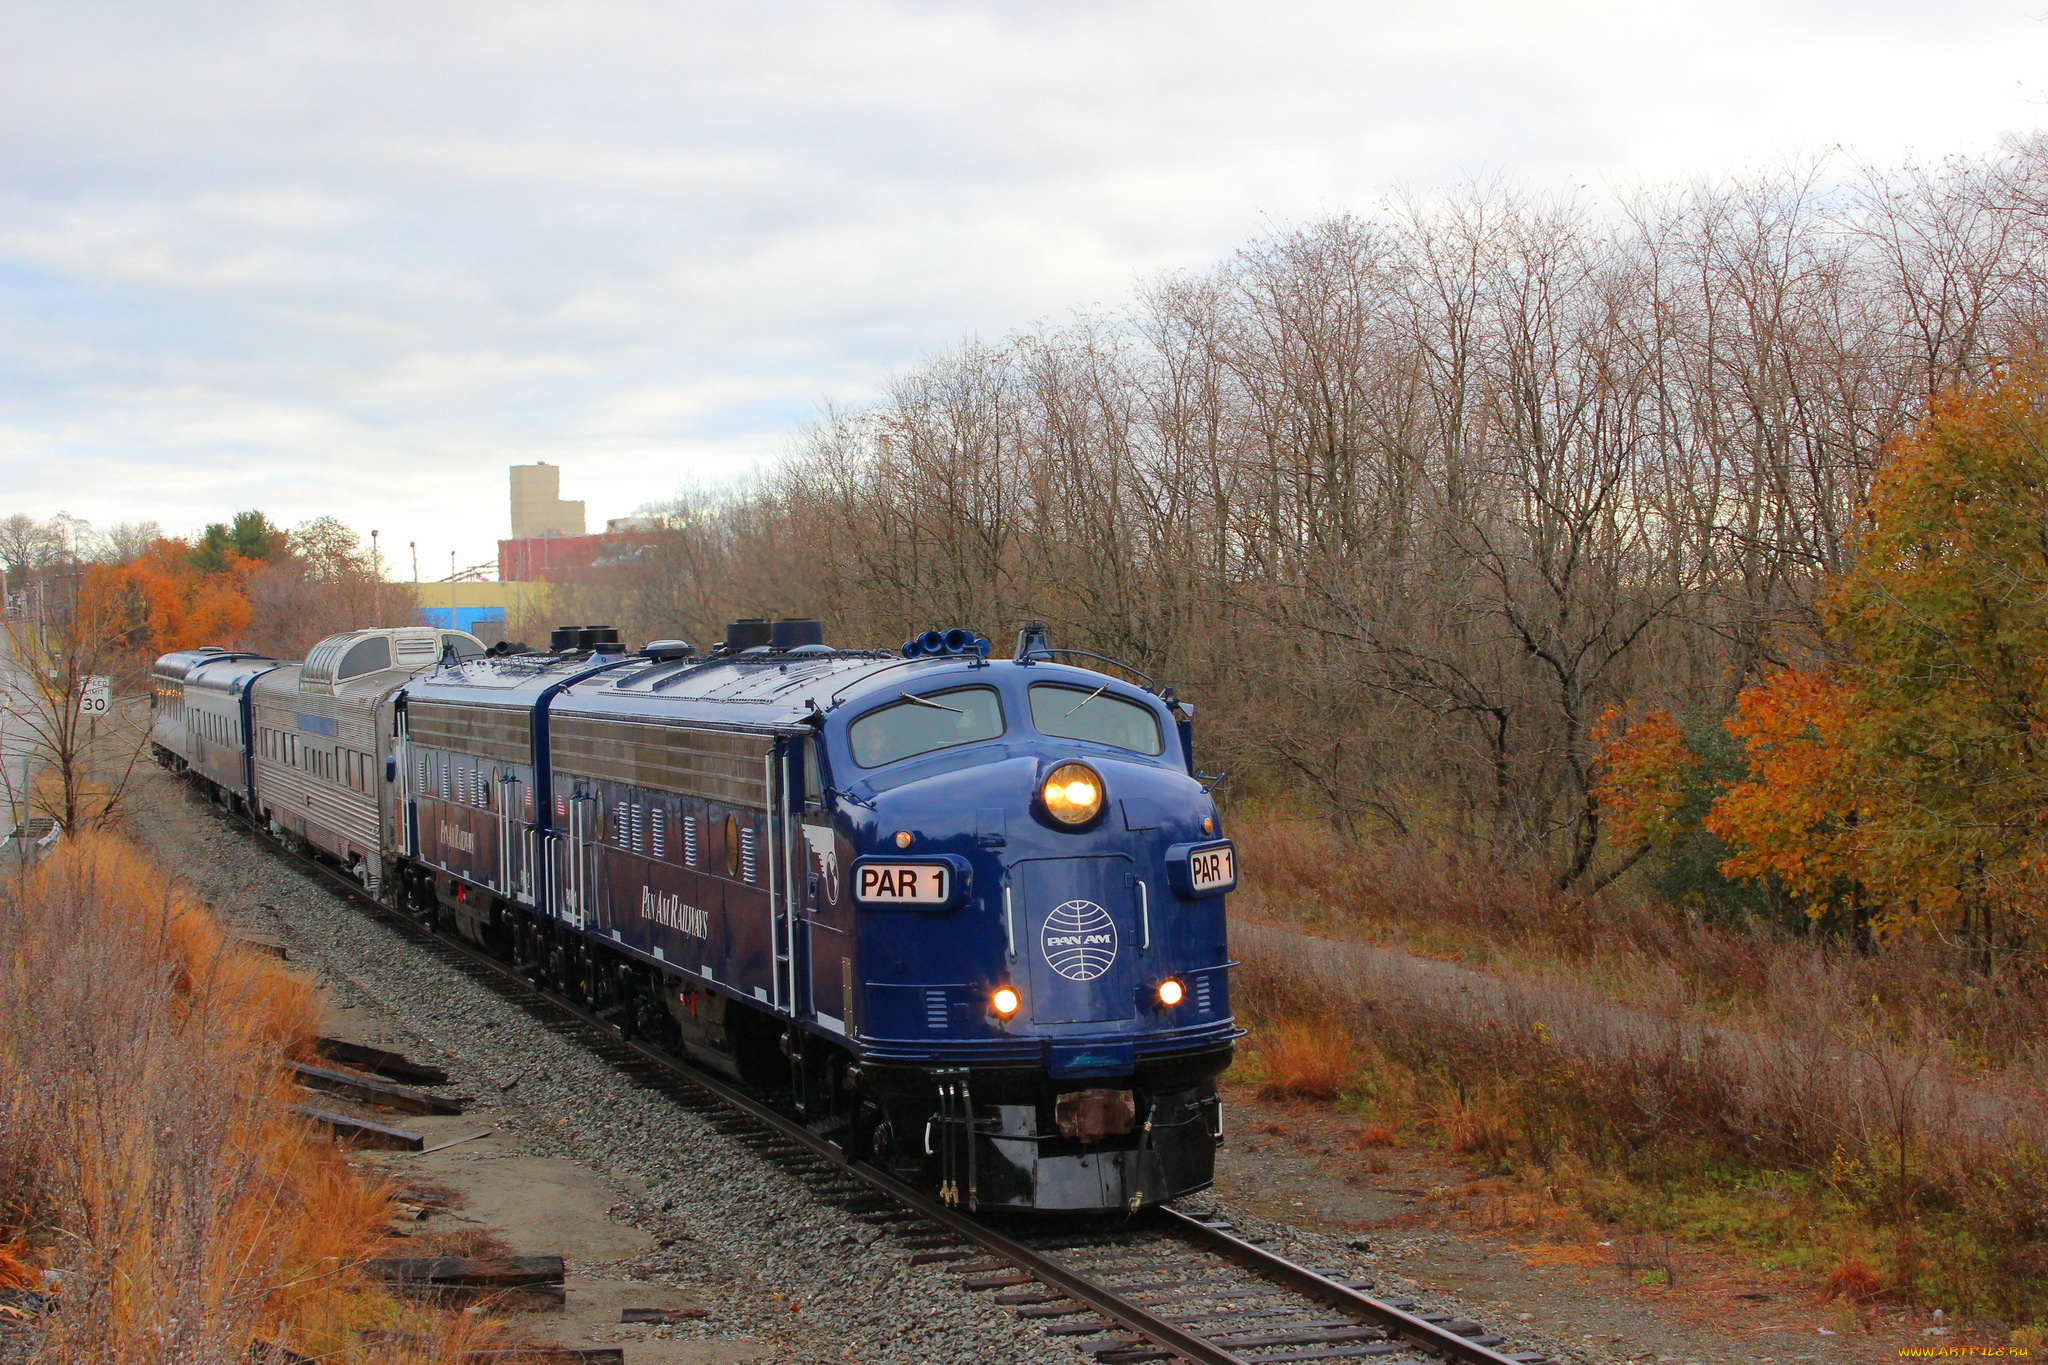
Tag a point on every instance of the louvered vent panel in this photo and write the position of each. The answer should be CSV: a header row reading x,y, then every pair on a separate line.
x,y
747,855
690,839
660,822
1202,993
935,1010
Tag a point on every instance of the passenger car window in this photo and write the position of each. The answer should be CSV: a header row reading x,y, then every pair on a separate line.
x,y
918,725
1077,713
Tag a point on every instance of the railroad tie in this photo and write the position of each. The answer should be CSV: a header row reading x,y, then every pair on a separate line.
x,y
1328,1337
1098,1349
1064,1308
1364,1352
1002,1279
1085,1327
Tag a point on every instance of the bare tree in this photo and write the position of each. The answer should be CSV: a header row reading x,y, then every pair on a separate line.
x,y
1410,499
68,764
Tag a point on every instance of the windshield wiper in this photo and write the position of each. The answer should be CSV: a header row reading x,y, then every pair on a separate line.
x,y
935,705
1085,700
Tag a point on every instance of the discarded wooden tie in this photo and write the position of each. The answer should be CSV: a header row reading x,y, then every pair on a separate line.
x,y
505,1355
391,1064
362,1132
363,1088
658,1316
534,1280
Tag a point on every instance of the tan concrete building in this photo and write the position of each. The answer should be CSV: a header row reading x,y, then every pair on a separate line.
x,y
537,506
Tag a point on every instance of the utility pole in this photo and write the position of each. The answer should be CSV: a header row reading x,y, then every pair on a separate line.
x,y
415,561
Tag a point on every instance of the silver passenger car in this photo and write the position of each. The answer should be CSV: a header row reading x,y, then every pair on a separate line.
x,y
322,739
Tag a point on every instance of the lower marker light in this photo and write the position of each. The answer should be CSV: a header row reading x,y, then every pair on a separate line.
x,y
1005,1001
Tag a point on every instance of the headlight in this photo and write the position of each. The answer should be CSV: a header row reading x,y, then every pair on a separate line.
x,y
1171,992
1004,1002
1073,793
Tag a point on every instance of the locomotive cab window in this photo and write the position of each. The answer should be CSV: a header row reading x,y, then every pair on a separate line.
x,y
919,725
1078,713
814,779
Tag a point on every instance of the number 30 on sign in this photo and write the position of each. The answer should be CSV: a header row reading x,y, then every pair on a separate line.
x,y
97,697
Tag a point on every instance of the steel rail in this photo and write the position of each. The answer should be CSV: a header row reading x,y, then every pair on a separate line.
x,y
1132,1317
1322,1289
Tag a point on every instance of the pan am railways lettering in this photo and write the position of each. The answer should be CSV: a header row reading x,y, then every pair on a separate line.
x,y
664,908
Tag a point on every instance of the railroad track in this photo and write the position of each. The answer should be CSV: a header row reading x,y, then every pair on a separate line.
x,y
1167,1285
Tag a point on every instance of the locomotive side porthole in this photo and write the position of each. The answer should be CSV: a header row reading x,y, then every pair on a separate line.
x,y
732,847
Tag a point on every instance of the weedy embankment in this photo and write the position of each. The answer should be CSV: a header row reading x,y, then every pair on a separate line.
x,y
151,1174
1726,1085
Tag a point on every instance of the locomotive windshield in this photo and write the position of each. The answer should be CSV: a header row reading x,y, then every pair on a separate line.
x,y
1077,713
918,725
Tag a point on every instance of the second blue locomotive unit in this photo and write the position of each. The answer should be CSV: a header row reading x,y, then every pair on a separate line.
x,y
967,913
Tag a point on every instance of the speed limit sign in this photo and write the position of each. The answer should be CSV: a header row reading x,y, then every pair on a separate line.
x,y
97,697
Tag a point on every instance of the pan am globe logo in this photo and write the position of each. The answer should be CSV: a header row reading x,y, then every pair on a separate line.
x,y
1078,940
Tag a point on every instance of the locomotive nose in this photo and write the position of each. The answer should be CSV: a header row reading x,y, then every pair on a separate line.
x,y
1082,931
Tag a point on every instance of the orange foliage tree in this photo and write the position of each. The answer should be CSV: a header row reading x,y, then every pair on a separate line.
x,y
1640,788
1908,780
168,603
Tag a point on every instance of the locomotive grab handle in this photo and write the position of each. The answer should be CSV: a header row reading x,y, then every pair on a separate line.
x,y
1144,918
1009,924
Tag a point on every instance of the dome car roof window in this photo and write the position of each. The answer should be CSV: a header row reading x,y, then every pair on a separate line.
x,y
1076,713
919,724
370,655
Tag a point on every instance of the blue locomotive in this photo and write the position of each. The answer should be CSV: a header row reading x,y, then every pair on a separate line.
x,y
966,913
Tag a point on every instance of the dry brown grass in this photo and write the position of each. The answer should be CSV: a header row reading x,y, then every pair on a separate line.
x,y
146,1151
1309,1059
1635,951
1672,1121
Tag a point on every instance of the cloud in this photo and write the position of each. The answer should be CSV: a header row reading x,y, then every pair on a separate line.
x,y
357,259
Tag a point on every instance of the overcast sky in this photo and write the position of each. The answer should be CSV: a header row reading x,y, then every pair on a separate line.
x,y
359,258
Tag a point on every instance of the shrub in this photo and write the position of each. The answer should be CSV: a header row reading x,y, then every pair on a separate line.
x,y
146,1147
1308,1059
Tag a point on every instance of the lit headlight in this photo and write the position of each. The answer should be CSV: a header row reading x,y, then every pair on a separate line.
x,y
1171,992
1073,793
1004,1002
